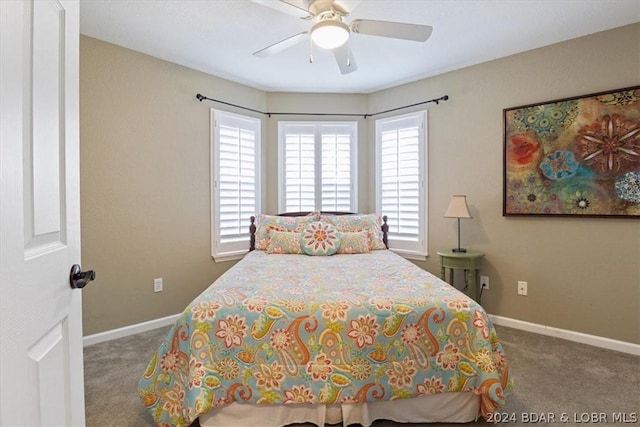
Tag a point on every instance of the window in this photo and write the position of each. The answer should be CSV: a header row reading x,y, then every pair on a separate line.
x,y
235,151
317,166
401,175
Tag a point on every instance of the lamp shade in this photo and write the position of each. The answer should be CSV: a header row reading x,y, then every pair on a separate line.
x,y
330,34
458,207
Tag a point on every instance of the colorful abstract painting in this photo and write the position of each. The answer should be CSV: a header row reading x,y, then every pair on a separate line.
x,y
576,156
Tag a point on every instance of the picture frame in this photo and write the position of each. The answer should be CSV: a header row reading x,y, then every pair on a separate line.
x,y
576,156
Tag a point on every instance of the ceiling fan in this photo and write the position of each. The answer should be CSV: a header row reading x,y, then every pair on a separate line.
x,y
329,30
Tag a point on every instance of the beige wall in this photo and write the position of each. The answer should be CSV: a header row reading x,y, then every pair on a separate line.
x,y
583,274
145,182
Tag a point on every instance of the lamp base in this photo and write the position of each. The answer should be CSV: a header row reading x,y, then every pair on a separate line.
x,y
458,250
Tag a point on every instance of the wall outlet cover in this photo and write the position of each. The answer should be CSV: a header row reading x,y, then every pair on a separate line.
x,y
484,282
522,288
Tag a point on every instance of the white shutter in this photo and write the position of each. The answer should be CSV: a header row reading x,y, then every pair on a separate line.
x,y
235,181
299,170
401,171
336,178
317,166
400,181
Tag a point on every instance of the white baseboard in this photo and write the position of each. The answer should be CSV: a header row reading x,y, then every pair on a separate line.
x,y
596,341
129,330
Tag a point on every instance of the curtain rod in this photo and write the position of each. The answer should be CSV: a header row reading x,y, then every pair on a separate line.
x,y
266,113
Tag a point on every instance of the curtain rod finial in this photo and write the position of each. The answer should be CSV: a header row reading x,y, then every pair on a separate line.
x,y
200,97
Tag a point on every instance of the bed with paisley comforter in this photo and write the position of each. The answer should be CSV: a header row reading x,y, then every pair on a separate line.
x,y
354,336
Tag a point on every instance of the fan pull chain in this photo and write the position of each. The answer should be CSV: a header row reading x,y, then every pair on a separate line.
x,y
310,51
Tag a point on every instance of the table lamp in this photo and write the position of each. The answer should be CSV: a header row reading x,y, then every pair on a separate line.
x,y
458,209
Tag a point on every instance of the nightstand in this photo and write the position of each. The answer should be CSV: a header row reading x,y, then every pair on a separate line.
x,y
468,261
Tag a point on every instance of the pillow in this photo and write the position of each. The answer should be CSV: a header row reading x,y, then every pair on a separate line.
x,y
265,223
283,242
320,238
372,223
356,242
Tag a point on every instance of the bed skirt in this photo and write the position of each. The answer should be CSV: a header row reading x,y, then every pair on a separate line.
x,y
460,407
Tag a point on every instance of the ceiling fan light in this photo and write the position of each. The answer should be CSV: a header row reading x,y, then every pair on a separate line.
x,y
330,34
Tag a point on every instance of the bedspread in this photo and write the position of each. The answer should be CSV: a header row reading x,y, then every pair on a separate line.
x,y
283,329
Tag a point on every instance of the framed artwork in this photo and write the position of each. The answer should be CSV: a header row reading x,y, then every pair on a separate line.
x,y
574,157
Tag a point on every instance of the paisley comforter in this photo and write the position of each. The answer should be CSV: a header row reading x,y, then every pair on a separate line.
x,y
284,329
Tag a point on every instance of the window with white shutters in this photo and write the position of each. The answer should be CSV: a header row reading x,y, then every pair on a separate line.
x,y
401,188
317,166
235,186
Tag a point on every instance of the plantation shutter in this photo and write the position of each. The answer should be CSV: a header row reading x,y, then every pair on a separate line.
x,y
336,171
401,193
235,180
400,181
317,166
299,170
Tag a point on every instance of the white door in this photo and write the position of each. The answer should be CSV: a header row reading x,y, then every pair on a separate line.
x,y
41,374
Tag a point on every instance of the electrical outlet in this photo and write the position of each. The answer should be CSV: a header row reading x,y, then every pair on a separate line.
x,y
484,282
522,288
157,285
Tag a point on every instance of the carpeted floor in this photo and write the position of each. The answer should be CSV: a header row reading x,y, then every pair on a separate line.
x,y
554,377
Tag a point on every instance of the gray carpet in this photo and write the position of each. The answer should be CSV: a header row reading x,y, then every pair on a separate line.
x,y
553,376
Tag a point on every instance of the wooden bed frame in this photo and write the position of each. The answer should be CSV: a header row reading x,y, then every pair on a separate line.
x,y
252,226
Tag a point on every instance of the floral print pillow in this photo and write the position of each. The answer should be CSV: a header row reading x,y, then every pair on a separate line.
x,y
283,242
356,242
371,223
320,238
266,223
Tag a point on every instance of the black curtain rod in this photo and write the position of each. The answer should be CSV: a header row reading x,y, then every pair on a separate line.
x,y
265,113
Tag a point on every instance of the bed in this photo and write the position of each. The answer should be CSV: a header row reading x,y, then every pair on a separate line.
x,y
323,324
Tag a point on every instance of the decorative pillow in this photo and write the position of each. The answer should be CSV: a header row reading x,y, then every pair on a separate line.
x,y
265,223
283,242
372,223
356,242
320,238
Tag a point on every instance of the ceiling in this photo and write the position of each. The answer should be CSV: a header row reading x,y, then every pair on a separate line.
x,y
218,37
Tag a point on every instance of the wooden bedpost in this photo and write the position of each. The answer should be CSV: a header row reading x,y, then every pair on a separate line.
x,y
385,231
252,233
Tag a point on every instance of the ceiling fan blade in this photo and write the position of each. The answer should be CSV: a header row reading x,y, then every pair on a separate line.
x,y
345,59
396,30
289,7
282,45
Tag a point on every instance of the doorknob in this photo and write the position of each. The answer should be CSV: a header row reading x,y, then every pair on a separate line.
x,y
78,278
